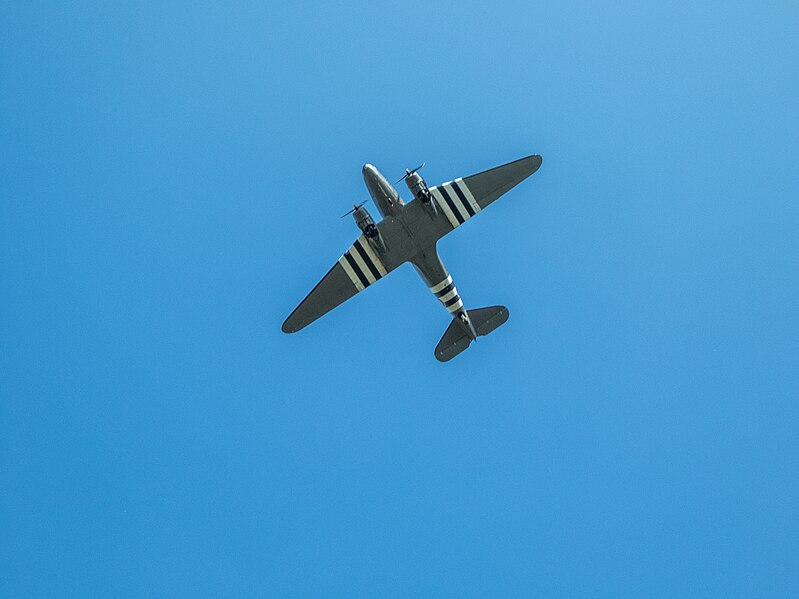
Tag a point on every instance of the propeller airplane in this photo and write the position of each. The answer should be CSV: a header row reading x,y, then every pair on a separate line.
x,y
409,233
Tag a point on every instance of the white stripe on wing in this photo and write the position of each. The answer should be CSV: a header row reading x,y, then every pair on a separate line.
x,y
458,203
467,192
351,273
444,207
364,269
372,255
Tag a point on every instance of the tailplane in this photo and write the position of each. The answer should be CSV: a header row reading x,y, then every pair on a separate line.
x,y
455,339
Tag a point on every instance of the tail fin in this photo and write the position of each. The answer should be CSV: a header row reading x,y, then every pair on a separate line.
x,y
455,339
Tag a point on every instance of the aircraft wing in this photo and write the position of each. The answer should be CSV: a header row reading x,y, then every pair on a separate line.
x,y
462,198
358,267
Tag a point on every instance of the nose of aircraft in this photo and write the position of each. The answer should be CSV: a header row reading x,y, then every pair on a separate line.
x,y
369,172
384,195
375,180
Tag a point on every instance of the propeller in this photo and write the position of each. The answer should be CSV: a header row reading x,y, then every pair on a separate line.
x,y
408,173
354,208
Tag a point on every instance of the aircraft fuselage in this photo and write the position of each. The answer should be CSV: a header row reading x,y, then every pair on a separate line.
x,y
418,228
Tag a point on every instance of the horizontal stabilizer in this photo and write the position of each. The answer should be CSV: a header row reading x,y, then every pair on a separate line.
x,y
455,339
485,320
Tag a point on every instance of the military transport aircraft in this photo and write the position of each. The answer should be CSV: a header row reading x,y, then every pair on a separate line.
x,y
408,233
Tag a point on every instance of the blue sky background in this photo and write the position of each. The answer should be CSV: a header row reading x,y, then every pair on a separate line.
x,y
170,185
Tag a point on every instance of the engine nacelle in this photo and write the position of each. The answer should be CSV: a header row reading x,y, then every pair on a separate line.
x,y
365,223
420,191
418,187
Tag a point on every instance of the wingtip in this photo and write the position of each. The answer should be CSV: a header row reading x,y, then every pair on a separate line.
x,y
535,162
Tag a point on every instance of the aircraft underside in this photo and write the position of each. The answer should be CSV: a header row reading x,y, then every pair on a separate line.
x,y
409,233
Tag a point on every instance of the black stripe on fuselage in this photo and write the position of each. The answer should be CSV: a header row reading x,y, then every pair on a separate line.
x,y
461,195
357,269
451,301
451,205
367,260
445,291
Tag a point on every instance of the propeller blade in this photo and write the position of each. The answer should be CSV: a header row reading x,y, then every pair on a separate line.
x,y
354,208
408,173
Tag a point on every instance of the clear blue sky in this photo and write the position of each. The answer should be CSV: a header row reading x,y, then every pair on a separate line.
x,y
170,186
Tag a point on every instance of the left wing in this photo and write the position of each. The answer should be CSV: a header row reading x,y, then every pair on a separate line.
x,y
461,199
359,267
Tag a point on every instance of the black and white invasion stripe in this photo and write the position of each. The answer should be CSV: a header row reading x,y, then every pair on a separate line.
x,y
456,201
447,294
362,264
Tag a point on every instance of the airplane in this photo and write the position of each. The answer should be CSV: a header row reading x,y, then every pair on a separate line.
x,y
409,233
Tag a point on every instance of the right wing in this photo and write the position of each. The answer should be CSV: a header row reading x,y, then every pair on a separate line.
x,y
359,267
461,199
